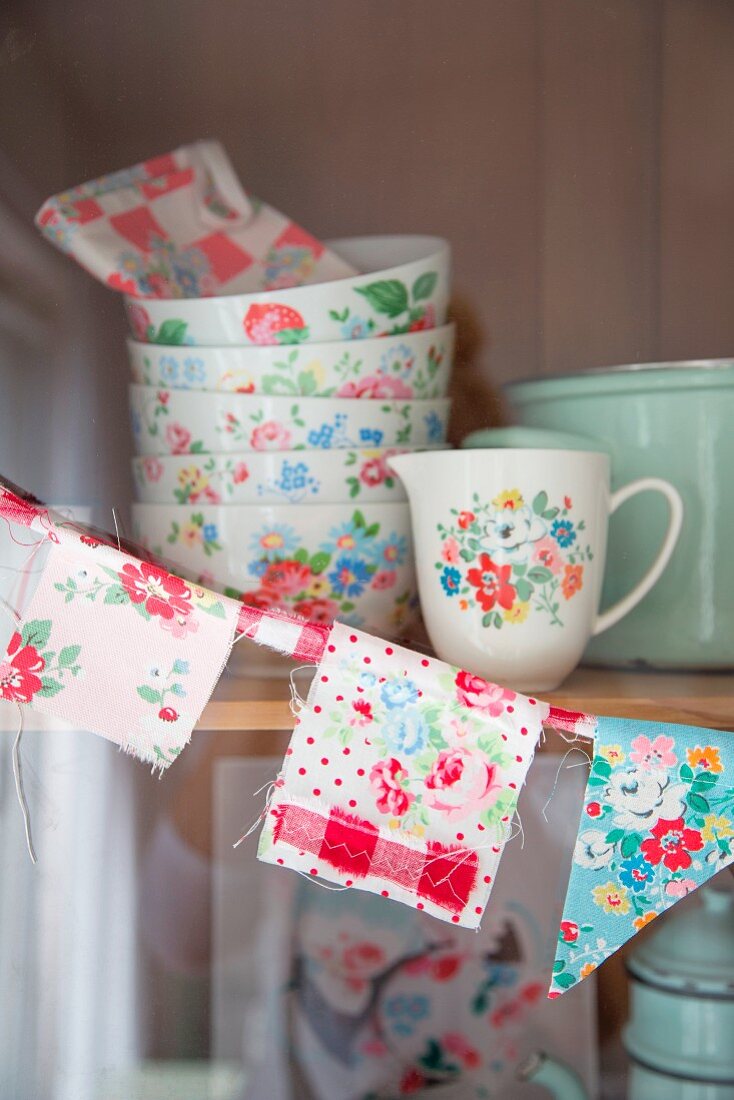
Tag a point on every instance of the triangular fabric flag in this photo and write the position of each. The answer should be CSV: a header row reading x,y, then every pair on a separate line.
x,y
657,823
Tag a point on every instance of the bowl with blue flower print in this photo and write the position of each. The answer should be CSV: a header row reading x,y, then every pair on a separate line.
x,y
323,561
270,477
194,422
409,365
404,287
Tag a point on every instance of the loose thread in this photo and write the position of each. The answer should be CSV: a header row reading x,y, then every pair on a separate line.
x,y
20,790
574,748
17,763
271,786
27,545
117,530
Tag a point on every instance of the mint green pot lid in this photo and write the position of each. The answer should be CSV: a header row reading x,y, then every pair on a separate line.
x,y
684,374
530,439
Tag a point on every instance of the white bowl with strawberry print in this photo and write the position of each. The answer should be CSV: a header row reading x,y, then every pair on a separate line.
x,y
404,287
408,365
323,561
195,422
270,477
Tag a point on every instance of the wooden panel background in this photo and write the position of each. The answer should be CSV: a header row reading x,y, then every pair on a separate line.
x,y
577,153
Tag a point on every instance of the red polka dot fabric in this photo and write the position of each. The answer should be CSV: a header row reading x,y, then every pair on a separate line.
x,y
402,778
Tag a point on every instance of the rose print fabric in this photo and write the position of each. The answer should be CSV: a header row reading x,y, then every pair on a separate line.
x,y
181,226
657,822
120,647
402,777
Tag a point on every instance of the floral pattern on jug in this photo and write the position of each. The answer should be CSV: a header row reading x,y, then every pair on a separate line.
x,y
509,558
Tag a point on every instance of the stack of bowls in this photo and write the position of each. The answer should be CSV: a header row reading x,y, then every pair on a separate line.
x,y
264,423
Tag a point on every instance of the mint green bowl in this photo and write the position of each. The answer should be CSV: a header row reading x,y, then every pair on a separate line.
x,y
676,421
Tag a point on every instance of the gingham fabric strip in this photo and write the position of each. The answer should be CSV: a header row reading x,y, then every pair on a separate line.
x,y
443,875
577,722
181,226
402,777
656,824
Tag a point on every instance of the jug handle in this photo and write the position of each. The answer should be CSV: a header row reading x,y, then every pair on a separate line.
x,y
675,521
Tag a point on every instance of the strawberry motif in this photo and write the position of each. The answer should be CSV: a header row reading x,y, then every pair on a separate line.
x,y
274,324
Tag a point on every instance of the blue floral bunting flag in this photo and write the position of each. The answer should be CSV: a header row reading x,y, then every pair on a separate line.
x,y
657,823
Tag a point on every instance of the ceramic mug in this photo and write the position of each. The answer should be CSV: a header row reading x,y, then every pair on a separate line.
x,y
510,547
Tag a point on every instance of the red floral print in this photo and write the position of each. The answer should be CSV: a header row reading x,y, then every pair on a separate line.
x,y
178,439
492,583
160,592
19,680
466,519
386,780
569,931
376,385
373,472
362,713
460,782
18,510
670,843
473,691
317,610
168,714
270,436
572,581
287,577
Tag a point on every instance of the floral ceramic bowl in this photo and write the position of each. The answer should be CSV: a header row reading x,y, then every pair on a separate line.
x,y
404,288
195,422
276,477
323,561
413,364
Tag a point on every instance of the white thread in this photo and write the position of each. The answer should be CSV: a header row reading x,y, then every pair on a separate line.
x,y
558,773
271,786
117,530
19,789
17,763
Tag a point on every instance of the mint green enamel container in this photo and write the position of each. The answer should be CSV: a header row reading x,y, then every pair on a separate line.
x,y
676,421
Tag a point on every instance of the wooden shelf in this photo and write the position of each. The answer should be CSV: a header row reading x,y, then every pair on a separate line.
x,y
696,699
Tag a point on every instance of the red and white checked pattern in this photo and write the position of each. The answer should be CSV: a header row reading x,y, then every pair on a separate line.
x,y
287,633
185,202
576,722
353,846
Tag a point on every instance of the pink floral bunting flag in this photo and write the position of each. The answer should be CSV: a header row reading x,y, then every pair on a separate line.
x,y
402,777
120,647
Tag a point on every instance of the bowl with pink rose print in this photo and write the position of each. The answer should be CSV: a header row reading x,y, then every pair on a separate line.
x,y
511,548
408,365
270,477
196,422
